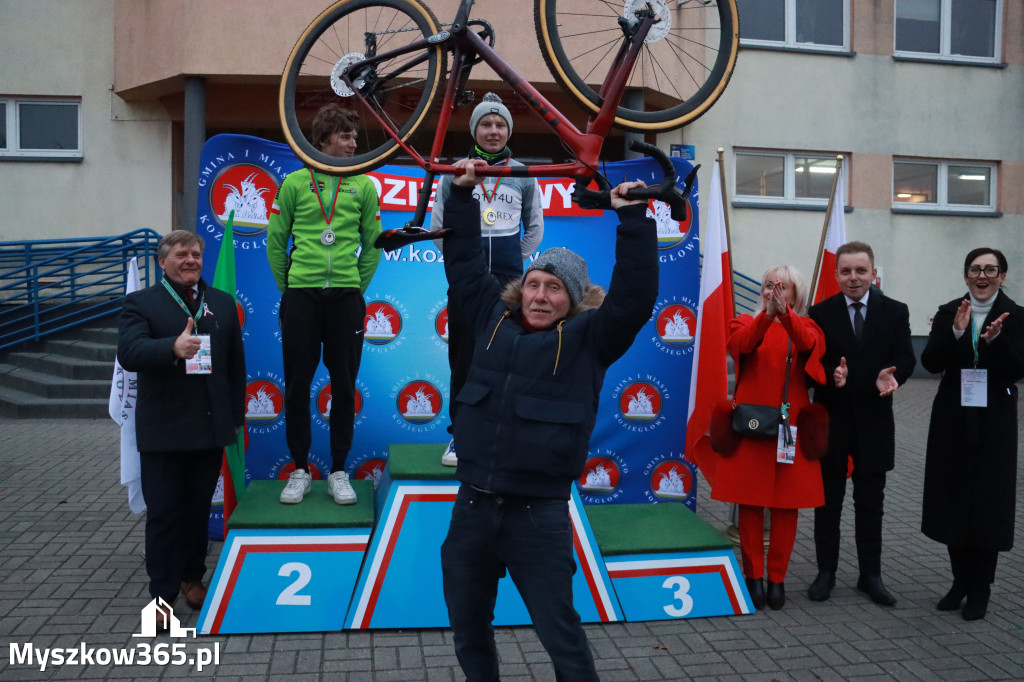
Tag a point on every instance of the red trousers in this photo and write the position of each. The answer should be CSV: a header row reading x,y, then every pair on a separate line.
x,y
780,541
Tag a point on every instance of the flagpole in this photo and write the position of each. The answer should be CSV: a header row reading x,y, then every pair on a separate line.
x,y
728,234
824,229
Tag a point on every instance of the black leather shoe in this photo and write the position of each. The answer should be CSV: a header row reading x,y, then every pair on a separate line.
x,y
976,605
755,586
953,599
873,587
776,595
821,588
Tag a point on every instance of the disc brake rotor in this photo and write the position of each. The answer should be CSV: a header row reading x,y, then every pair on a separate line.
x,y
661,12
337,83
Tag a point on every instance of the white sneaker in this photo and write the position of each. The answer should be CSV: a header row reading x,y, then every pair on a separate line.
x,y
297,487
341,489
449,459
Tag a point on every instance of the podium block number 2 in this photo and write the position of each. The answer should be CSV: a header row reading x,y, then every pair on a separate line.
x,y
290,596
682,602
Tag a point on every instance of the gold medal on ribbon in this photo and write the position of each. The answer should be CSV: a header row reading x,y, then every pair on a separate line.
x,y
490,216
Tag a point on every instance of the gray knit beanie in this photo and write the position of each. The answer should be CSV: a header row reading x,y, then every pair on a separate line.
x,y
566,266
490,104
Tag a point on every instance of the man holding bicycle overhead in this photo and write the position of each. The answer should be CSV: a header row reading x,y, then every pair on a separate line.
x,y
511,223
527,411
331,224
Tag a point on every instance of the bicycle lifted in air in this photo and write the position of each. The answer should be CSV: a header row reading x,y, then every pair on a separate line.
x,y
389,60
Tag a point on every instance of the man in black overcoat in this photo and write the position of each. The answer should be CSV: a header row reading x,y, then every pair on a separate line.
x,y
868,355
183,419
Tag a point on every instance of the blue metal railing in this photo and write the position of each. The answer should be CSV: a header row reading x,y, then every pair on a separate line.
x,y
50,285
746,291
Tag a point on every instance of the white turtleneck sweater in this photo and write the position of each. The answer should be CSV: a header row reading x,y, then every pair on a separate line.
x,y
979,311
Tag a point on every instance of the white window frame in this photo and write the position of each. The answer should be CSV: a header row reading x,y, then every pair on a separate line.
x,y
790,41
14,150
942,204
789,197
946,39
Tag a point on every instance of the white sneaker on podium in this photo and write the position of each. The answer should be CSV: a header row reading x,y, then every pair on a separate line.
x,y
449,459
297,487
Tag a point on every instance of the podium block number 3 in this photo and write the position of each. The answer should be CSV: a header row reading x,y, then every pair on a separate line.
x,y
290,596
680,596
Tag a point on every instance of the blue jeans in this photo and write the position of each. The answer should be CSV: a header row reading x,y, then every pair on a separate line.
x,y
531,538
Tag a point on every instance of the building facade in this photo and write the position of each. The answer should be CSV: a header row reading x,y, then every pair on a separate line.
x,y
104,103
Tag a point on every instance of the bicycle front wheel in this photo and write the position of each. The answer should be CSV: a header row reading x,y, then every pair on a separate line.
x,y
400,89
682,69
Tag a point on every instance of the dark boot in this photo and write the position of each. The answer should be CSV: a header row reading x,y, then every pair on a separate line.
x,y
776,595
872,586
755,586
821,588
977,604
954,598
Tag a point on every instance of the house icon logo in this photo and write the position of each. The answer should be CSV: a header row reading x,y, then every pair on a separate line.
x,y
160,610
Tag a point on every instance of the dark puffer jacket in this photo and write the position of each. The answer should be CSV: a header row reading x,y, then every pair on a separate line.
x,y
528,407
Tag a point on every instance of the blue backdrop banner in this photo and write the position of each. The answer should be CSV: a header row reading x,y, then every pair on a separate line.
x,y
636,453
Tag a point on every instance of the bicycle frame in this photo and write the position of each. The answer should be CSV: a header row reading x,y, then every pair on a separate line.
x,y
465,46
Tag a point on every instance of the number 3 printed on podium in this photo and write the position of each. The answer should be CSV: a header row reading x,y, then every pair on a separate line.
x,y
682,587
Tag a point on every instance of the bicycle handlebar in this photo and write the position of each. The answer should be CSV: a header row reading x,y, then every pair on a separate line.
x,y
666,191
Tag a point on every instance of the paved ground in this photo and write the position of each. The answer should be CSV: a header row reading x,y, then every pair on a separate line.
x,y
71,571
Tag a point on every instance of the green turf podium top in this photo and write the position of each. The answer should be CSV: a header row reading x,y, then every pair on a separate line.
x,y
418,461
651,529
260,507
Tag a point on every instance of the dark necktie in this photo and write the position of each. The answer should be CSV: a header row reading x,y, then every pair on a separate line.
x,y
190,299
858,320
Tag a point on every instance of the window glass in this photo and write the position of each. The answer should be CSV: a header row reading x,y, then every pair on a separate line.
x,y
918,25
3,124
973,25
814,176
819,22
970,185
915,183
760,175
763,19
47,126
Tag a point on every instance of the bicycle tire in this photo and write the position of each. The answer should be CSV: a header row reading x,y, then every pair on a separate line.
x,y
340,33
681,75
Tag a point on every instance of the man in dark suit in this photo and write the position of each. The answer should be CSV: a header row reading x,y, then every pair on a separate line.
x,y
868,355
184,341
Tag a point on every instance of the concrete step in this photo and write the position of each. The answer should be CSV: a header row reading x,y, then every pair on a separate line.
x,y
62,366
104,335
51,386
21,405
82,350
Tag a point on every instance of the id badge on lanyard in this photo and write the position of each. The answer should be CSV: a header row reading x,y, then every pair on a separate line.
x,y
974,382
202,361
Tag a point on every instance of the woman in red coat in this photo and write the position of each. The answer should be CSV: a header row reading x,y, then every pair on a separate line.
x,y
752,476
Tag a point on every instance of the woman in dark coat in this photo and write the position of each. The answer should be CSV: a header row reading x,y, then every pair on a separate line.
x,y
977,343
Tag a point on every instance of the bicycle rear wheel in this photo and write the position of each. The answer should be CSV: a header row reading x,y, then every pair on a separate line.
x,y
400,89
682,69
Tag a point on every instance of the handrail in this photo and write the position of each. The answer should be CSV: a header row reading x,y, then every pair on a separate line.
x,y
50,285
746,290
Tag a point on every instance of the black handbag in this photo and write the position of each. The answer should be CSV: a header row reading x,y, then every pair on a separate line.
x,y
756,421
763,421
